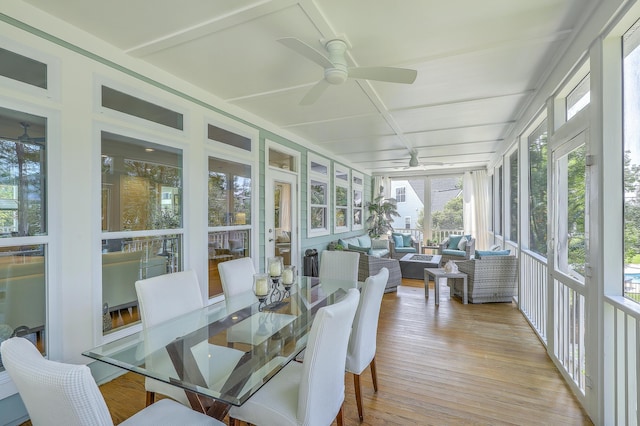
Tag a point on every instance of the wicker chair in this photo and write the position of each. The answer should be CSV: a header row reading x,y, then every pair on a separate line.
x,y
371,265
491,279
452,254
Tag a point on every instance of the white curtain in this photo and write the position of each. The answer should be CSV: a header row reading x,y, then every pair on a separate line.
x,y
476,207
382,186
285,207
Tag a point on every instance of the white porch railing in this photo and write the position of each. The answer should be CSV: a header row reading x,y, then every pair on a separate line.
x,y
438,235
532,298
621,361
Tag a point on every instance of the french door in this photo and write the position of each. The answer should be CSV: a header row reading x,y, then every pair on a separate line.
x,y
281,216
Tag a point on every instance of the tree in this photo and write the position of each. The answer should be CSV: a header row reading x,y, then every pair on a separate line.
x,y
631,210
381,214
450,217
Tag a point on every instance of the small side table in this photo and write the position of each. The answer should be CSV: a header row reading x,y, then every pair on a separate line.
x,y
430,249
438,273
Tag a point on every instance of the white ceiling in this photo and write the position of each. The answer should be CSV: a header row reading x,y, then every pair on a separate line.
x,y
479,63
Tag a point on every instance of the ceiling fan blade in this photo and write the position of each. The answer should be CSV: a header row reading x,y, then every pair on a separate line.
x,y
307,51
314,93
393,75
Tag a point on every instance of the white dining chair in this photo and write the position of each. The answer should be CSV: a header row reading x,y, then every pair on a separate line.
x,y
339,265
312,392
56,393
361,351
166,297
162,298
236,276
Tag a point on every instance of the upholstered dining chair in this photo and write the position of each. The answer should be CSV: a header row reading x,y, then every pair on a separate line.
x,y
56,393
311,392
162,298
166,297
339,265
361,351
236,276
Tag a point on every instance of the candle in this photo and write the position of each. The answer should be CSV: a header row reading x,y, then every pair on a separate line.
x,y
287,276
275,270
262,287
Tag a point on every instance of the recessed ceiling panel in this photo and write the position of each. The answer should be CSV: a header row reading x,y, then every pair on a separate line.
x,y
347,128
338,103
500,110
129,23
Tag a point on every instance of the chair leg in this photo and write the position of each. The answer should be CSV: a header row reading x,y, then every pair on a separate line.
x,y
339,416
374,374
356,385
151,398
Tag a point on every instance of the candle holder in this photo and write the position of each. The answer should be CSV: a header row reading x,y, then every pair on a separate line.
x,y
261,287
288,278
277,274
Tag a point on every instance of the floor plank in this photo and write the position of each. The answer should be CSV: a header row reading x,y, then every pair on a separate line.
x,y
452,364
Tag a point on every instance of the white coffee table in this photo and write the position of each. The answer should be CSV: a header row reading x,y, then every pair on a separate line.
x,y
438,273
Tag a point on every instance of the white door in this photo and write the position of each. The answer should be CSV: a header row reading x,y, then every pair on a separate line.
x,y
281,216
570,276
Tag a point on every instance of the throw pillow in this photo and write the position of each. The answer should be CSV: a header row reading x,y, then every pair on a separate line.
x,y
358,248
379,244
462,244
453,241
364,241
407,241
397,240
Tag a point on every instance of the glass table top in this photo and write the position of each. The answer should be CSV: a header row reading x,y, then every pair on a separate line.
x,y
228,350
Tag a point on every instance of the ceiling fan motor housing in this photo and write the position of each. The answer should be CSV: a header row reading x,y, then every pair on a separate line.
x,y
338,74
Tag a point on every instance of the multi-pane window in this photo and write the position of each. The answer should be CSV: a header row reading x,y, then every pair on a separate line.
x,y
401,196
318,196
141,220
341,191
357,202
631,163
229,215
537,143
23,216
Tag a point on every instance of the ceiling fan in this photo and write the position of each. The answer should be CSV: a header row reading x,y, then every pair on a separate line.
x,y
336,70
414,162
25,138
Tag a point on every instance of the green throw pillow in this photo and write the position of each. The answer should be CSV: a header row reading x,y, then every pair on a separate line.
x,y
453,241
406,240
397,240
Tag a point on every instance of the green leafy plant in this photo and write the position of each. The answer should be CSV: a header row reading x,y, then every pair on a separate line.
x,y
381,214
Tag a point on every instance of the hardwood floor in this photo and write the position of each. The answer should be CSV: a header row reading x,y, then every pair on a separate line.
x,y
455,364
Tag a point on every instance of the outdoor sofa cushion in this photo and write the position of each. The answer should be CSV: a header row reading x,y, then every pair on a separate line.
x,y
364,244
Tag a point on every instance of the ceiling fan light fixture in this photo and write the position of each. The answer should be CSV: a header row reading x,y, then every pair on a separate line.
x,y
413,162
335,75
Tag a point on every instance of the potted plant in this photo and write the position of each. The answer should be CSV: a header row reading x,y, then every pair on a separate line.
x,y
381,214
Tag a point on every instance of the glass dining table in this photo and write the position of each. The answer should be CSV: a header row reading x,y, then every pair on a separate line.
x,y
222,354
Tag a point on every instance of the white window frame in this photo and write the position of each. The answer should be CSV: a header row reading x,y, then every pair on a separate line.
x,y
357,186
338,169
321,178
